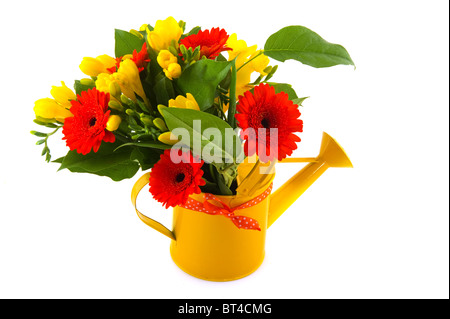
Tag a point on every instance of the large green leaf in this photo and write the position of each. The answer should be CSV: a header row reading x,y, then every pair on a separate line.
x,y
126,43
201,80
106,162
301,44
225,146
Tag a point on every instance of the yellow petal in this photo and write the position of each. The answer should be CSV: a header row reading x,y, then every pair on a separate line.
x,y
92,67
50,109
107,61
62,94
164,32
182,102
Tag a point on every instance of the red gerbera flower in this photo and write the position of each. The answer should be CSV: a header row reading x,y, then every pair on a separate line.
x,y
211,42
87,128
141,59
171,183
266,110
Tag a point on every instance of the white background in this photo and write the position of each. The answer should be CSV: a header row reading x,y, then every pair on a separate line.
x,y
379,230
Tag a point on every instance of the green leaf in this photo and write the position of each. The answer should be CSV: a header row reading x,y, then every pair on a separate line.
x,y
126,43
224,146
39,134
286,88
59,160
201,80
194,30
301,44
116,165
300,100
81,87
146,157
163,90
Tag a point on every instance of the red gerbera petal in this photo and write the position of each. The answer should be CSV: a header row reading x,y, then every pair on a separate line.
x,y
171,183
87,128
266,110
211,42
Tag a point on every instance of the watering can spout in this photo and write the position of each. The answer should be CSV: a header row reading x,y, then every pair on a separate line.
x,y
331,155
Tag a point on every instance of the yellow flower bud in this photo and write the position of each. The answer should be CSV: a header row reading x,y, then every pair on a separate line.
x,y
63,95
113,123
159,123
173,71
136,33
92,66
114,89
50,109
160,108
165,58
115,105
88,82
168,138
182,102
164,32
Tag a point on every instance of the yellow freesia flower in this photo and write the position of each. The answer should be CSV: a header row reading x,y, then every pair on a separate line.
x,y
169,63
56,108
173,71
62,95
182,102
164,33
95,66
104,81
129,81
246,63
50,109
165,58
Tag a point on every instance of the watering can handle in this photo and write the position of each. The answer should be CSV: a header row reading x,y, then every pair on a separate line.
x,y
141,182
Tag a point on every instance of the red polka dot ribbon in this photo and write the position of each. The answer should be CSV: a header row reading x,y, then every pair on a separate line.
x,y
208,207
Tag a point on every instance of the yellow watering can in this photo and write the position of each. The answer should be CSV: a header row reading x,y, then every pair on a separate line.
x,y
220,248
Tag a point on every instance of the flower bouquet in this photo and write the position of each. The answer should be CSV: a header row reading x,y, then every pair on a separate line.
x,y
197,108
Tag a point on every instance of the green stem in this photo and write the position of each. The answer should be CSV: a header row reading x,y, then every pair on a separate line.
x,y
232,103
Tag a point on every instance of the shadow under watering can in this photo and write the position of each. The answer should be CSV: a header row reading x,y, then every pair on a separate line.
x,y
220,248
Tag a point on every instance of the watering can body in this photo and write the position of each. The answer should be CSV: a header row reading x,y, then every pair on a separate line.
x,y
211,247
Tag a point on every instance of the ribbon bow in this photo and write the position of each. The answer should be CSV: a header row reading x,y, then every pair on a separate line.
x,y
240,221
